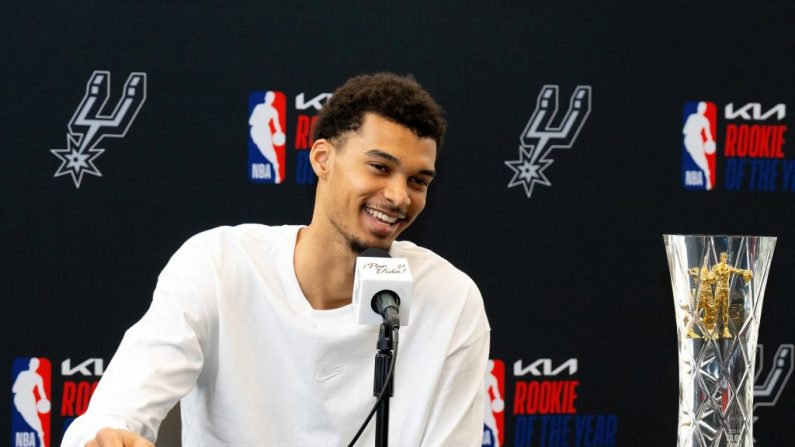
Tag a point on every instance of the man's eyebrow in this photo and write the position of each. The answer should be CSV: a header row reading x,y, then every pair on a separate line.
x,y
396,161
386,156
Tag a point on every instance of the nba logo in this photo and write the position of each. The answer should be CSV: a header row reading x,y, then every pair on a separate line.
x,y
494,397
699,128
267,120
30,409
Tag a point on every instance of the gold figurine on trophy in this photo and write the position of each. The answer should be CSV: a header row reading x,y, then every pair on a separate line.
x,y
713,295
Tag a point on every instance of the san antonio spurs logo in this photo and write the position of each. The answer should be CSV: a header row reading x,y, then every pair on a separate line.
x,y
768,389
540,136
93,121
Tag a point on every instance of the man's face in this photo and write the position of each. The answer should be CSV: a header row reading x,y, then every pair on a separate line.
x,y
376,182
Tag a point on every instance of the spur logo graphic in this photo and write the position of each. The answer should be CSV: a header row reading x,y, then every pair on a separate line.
x,y
767,390
540,136
92,122
30,409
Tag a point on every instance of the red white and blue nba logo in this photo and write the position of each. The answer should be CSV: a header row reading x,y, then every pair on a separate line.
x,y
494,423
267,120
30,408
699,130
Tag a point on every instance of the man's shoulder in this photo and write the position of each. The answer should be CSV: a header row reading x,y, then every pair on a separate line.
x,y
232,249
444,291
243,233
225,243
426,263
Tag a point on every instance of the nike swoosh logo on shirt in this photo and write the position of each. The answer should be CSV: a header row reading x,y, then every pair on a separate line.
x,y
328,372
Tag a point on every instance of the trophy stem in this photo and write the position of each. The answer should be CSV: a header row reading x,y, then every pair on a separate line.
x,y
718,285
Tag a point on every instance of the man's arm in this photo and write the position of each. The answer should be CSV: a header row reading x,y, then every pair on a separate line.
x,y
457,415
457,418
157,362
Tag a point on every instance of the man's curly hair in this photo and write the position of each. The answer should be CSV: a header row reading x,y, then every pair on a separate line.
x,y
397,98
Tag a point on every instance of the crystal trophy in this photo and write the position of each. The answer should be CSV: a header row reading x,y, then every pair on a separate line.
x,y
718,285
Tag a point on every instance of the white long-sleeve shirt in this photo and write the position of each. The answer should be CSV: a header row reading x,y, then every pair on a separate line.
x,y
231,334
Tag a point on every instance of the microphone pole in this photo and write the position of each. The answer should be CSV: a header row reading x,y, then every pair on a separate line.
x,y
386,303
383,361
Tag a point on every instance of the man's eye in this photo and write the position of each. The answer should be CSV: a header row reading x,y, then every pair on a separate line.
x,y
379,167
419,182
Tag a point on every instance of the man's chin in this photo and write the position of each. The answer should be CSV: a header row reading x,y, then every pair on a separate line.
x,y
358,245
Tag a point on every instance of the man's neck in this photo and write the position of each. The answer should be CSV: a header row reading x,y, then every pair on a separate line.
x,y
324,268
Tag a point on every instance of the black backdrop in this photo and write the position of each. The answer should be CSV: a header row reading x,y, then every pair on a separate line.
x,y
576,271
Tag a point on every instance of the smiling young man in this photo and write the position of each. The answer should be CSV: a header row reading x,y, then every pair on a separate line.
x,y
252,326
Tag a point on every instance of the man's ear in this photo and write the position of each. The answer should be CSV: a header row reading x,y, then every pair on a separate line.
x,y
320,156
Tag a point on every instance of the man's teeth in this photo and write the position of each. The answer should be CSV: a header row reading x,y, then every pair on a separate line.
x,y
381,216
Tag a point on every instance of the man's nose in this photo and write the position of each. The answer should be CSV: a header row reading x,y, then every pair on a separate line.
x,y
396,192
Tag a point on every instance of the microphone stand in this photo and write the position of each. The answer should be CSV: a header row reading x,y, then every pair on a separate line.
x,y
383,358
